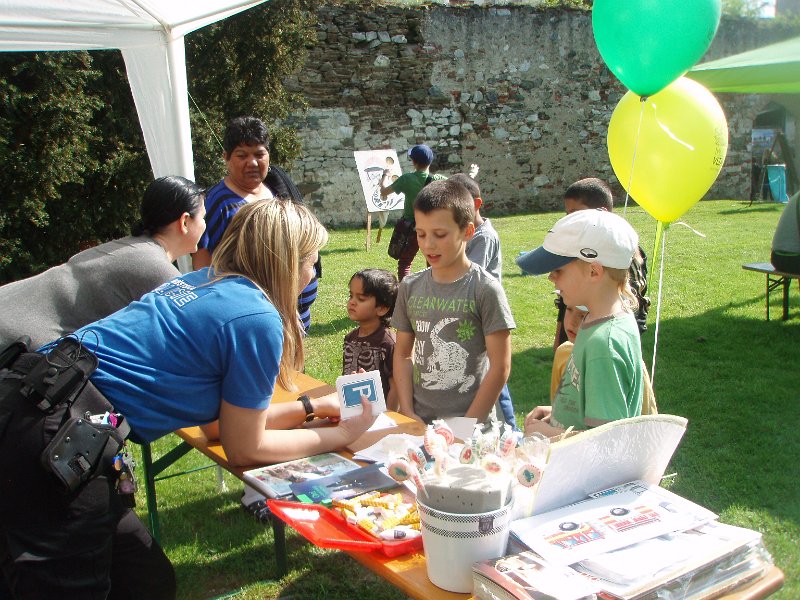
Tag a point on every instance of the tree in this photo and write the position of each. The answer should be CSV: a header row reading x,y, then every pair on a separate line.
x,y
46,136
743,8
74,164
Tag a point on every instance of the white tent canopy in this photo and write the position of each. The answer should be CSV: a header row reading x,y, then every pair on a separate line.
x,y
150,35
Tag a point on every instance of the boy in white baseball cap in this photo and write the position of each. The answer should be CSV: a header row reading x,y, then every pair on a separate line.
x,y
587,254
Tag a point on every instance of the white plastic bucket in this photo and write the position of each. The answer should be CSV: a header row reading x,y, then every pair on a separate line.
x,y
453,542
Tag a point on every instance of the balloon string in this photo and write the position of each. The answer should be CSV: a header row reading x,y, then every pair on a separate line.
x,y
658,305
633,158
690,228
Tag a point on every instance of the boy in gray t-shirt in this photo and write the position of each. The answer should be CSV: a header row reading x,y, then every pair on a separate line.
x,y
453,350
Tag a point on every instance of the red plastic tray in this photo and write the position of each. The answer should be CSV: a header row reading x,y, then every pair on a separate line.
x,y
331,530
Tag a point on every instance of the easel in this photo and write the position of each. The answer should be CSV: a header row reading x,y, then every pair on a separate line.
x,y
381,223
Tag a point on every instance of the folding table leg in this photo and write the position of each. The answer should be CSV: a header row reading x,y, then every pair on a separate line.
x,y
279,541
768,290
786,282
150,490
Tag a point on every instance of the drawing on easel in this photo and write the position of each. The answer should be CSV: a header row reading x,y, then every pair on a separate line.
x,y
371,165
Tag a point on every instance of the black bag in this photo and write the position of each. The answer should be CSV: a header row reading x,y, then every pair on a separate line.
x,y
80,448
54,390
403,230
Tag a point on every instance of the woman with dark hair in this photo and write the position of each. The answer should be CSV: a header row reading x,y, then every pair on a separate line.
x,y
251,177
101,280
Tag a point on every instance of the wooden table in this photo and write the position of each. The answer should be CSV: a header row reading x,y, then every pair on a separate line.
x,y
408,573
775,279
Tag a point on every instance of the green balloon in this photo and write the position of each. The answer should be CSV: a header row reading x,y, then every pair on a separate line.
x,y
648,44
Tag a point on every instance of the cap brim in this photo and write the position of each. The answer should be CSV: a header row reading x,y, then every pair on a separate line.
x,y
540,261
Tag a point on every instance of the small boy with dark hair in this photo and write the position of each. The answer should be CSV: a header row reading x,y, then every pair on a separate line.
x,y
594,193
370,346
483,249
484,246
453,321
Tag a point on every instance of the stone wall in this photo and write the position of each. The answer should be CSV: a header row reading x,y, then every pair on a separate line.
x,y
521,91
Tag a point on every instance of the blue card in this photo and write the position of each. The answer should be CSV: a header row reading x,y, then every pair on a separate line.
x,y
352,387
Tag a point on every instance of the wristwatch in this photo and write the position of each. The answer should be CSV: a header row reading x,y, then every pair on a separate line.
x,y
310,416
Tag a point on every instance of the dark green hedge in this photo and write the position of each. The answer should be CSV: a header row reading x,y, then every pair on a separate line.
x,y
72,160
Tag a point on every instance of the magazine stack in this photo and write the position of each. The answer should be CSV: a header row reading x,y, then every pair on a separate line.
x,y
636,541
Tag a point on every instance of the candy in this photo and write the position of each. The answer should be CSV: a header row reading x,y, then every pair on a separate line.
x,y
392,521
467,455
444,430
360,499
370,526
399,470
508,441
529,475
399,533
434,441
393,534
386,501
410,517
440,461
417,457
342,503
417,479
493,464
349,515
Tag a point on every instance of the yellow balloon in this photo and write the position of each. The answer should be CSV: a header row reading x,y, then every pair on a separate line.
x,y
680,149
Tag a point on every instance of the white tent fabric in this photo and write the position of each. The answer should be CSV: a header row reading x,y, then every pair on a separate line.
x,y
150,35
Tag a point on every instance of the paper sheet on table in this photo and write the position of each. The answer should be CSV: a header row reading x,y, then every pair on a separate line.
x,y
462,426
381,451
373,436
383,421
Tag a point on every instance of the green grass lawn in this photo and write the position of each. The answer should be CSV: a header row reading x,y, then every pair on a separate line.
x,y
719,364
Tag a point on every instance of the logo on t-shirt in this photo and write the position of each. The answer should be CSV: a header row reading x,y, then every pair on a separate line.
x,y
177,290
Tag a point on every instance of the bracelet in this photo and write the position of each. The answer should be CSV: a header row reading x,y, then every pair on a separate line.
x,y
310,416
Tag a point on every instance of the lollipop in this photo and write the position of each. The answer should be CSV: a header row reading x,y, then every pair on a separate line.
x,y
417,479
400,469
490,440
493,464
468,454
443,429
417,457
440,461
507,443
529,474
433,441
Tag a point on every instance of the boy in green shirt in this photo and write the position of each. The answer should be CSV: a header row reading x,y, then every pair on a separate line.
x,y
587,254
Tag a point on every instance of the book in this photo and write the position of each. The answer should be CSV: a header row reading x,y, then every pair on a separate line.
x,y
274,481
344,485
698,564
525,576
602,457
690,564
609,520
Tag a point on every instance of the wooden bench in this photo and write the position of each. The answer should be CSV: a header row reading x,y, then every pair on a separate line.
x,y
775,279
